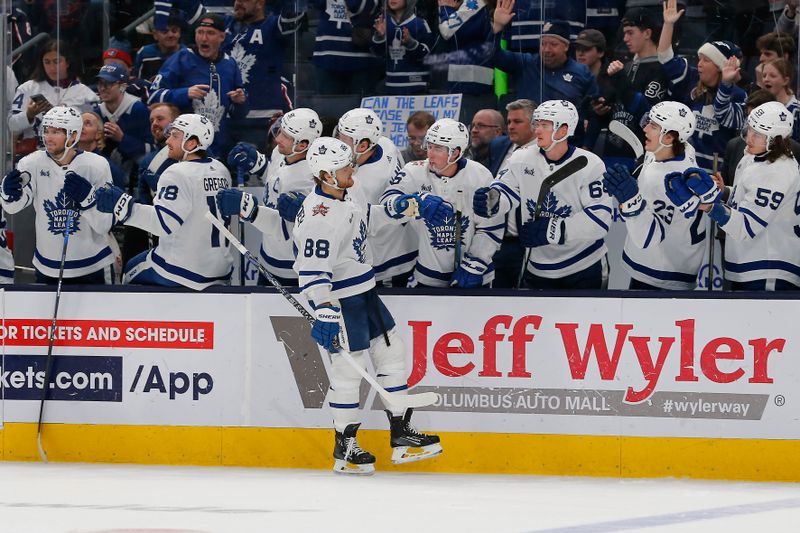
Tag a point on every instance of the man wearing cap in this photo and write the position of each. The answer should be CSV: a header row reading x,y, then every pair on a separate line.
x,y
188,10
119,53
126,118
590,50
641,32
152,56
258,42
564,78
204,80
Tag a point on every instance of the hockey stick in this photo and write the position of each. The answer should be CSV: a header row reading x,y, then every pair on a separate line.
x,y
713,239
48,364
457,258
240,186
547,184
624,132
398,400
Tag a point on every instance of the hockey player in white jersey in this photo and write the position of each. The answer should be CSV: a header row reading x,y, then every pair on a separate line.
x,y
455,246
567,239
190,253
664,248
377,160
40,179
6,257
334,265
760,217
298,129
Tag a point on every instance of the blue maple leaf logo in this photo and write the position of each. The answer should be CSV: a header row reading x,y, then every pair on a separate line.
x,y
360,243
472,4
57,213
549,206
444,237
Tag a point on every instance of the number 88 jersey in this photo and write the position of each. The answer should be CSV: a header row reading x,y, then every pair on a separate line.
x,y
333,259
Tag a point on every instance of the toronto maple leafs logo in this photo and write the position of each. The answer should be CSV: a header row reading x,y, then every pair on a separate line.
x,y
57,213
782,116
320,209
444,237
312,123
322,150
244,60
360,243
682,112
549,206
368,119
210,107
567,77
472,4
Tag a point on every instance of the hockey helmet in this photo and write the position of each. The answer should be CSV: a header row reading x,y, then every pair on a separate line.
x,y
559,112
771,119
327,154
301,124
361,123
673,116
194,125
65,118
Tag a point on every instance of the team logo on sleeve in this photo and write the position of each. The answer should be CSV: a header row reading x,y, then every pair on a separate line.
x,y
320,209
360,243
444,237
549,206
57,213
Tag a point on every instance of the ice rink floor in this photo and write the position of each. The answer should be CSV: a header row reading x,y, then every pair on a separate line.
x,y
90,498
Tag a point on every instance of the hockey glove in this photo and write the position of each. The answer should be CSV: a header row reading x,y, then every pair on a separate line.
x,y
326,326
12,185
680,195
404,205
543,231
720,213
78,189
111,199
469,273
233,202
486,202
289,204
617,179
700,182
244,156
435,210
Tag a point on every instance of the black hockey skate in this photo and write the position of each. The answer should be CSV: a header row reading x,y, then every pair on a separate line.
x,y
350,458
408,444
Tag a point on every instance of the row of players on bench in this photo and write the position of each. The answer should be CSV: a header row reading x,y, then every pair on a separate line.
x,y
443,221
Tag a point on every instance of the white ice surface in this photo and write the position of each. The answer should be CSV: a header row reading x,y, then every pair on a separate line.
x,y
82,498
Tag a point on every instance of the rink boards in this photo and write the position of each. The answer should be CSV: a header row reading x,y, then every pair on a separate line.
x,y
615,386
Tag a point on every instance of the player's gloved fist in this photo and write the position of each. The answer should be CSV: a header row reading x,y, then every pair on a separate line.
x,y
618,181
289,204
435,210
469,273
702,184
78,189
543,231
326,326
244,156
233,202
486,202
680,195
404,205
12,186
111,199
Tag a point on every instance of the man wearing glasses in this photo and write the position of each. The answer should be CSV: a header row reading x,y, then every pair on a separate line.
x,y
487,124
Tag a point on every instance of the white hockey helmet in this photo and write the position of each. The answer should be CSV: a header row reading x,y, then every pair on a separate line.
x,y
193,125
361,123
559,112
301,124
450,133
673,116
327,154
771,119
65,118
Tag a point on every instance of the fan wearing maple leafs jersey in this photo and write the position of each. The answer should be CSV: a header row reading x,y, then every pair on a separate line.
x,y
256,41
455,246
567,239
89,256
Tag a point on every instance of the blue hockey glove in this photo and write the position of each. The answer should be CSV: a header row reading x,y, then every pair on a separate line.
x,y
326,326
618,180
469,273
233,202
543,231
111,199
680,195
12,186
720,214
78,189
435,210
486,202
702,184
289,204
402,206
244,156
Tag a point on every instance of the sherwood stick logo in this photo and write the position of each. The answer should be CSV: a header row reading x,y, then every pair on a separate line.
x,y
602,346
